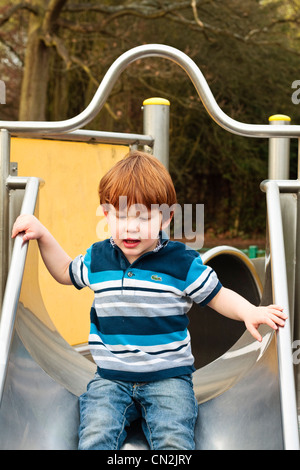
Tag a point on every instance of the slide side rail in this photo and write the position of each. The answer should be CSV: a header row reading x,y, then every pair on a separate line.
x,y
15,275
280,297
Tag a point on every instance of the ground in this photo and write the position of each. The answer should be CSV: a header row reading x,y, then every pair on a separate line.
x,y
212,240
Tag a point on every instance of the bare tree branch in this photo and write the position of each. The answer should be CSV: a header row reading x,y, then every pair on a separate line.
x,y
52,14
145,7
89,73
5,17
81,27
54,41
195,12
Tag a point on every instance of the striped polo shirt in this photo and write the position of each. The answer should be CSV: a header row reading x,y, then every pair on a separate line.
x,y
139,314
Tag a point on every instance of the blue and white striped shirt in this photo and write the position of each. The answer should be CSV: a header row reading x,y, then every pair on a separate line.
x,y
139,314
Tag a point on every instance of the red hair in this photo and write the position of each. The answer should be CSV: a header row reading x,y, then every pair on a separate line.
x,y
142,178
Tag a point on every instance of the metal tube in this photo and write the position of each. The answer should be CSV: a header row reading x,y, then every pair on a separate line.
x,y
156,124
279,151
4,201
110,78
297,284
17,182
14,281
288,186
280,296
83,135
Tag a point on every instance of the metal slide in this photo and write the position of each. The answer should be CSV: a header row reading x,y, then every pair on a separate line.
x,y
245,389
239,391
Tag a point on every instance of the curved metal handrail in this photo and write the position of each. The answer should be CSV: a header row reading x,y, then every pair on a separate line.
x,y
280,294
14,280
110,78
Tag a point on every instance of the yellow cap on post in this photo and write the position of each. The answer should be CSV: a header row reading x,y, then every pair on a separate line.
x,y
156,101
279,117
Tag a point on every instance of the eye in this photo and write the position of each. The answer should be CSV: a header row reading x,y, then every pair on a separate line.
x,y
145,218
121,216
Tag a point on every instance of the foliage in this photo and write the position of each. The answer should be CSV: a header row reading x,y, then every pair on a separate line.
x,y
248,52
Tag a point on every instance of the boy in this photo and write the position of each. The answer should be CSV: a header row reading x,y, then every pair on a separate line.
x,y
144,286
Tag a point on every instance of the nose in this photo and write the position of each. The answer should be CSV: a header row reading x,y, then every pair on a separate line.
x,y
133,224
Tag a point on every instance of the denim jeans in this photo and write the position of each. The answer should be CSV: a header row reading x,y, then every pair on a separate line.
x,y
168,409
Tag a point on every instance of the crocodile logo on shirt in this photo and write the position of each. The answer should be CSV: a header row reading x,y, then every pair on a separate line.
x,y
155,277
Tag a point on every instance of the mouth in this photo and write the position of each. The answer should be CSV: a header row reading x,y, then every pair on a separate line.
x,y
131,243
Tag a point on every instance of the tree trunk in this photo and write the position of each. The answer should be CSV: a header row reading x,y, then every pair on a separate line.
x,y
35,77
42,26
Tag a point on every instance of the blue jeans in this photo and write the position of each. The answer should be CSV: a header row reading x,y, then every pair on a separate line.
x,y
168,409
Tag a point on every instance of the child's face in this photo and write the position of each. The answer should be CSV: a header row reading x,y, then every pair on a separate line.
x,y
135,230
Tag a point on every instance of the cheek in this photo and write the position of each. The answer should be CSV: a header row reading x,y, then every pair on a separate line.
x,y
116,226
153,228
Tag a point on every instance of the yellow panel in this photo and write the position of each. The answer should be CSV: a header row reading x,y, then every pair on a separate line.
x,y
69,208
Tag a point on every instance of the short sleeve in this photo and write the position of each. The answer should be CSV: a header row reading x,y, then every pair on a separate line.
x,y
79,270
202,283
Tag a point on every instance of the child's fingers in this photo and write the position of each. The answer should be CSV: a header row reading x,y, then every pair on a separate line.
x,y
16,229
278,312
254,332
277,309
27,224
271,323
274,318
18,224
277,321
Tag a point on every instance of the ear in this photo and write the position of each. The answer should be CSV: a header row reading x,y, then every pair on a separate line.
x,y
105,209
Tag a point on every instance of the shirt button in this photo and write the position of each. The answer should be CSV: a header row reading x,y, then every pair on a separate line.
x,y
130,274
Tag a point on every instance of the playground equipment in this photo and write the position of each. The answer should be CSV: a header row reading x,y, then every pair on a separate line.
x,y
247,391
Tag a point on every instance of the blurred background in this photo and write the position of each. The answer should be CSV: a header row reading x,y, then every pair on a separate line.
x,y
54,54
